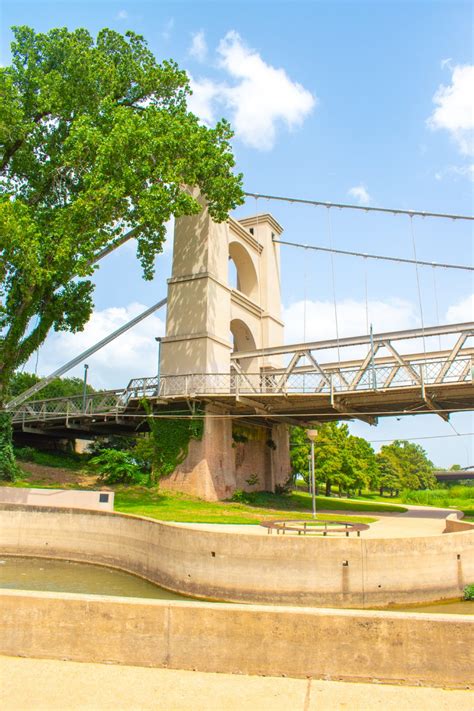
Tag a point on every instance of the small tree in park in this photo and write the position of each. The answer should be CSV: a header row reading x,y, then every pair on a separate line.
x,y
95,140
414,467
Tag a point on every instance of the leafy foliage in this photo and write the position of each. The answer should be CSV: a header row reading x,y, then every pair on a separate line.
x,y
60,387
350,463
123,443
60,459
168,444
340,458
116,467
8,466
299,452
95,140
408,463
469,592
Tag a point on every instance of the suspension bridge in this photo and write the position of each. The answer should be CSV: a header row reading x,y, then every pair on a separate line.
x,y
253,378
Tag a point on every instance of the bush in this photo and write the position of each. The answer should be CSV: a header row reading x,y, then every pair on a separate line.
x,y
239,496
116,467
26,454
57,458
469,592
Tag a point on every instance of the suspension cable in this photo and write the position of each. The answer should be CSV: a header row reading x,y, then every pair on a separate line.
x,y
402,260
333,275
435,288
418,286
366,282
364,208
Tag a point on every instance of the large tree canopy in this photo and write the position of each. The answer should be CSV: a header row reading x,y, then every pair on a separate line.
x,y
95,141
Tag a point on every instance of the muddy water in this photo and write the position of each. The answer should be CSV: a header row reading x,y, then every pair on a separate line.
x,y
65,576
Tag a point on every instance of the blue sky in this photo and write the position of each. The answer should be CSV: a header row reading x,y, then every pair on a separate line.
x,y
352,109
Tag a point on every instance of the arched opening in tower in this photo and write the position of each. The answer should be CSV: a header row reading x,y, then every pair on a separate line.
x,y
242,272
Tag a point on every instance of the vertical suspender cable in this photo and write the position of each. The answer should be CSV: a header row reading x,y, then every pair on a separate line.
x,y
366,281
435,289
304,299
262,362
334,286
420,303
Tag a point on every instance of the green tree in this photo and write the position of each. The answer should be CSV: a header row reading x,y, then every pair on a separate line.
x,y
116,467
341,459
415,469
60,387
390,472
95,141
330,466
300,449
364,472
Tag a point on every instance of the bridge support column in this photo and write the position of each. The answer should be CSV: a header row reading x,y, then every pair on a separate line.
x,y
222,461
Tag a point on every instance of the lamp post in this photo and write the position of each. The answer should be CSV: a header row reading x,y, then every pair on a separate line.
x,y
312,434
84,388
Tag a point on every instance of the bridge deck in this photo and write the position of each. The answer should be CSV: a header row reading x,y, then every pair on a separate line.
x,y
305,390
250,396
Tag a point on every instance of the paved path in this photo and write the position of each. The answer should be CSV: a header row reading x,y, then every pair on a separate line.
x,y
417,521
50,685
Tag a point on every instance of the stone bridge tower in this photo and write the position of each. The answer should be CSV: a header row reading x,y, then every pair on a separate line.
x,y
224,297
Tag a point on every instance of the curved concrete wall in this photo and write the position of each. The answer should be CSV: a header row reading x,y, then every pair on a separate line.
x,y
345,572
410,647
454,524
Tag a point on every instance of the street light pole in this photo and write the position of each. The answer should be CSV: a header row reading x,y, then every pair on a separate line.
x,y
84,388
312,434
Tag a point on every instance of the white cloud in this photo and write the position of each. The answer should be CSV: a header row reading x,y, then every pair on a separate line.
x,y
261,98
198,48
454,110
122,15
201,102
456,171
361,194
393,315
462,311
134,354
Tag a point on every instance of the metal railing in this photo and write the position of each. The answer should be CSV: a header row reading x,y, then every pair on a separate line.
x,y
396,373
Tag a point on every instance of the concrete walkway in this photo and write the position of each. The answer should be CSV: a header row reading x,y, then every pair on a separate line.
x,y
417,521
47,685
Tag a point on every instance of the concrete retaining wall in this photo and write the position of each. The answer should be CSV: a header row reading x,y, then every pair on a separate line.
x,y
65,498
348,572
454,524
335,644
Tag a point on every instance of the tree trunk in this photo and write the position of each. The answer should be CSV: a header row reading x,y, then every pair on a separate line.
x,y
8,466
328,488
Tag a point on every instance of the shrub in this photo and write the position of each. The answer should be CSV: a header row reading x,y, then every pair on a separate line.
x,y
26,454
469,592
116,467
239,496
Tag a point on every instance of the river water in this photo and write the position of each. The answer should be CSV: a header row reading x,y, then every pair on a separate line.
x,y
66,576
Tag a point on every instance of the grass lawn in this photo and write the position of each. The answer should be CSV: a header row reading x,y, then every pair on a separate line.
x,y
173,506
61,460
